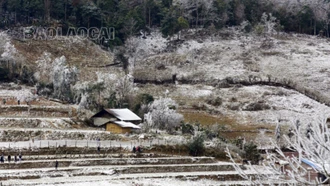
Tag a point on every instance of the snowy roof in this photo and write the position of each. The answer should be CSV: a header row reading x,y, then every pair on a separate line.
x,y
123,114
125,124
318,167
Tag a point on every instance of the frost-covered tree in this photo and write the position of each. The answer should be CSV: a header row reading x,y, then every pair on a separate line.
x,y
311,147
45,68
14,68
9,52
269,22
4,38
162,115
63,78
124,88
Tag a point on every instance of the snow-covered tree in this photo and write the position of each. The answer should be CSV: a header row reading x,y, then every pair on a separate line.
x,y
63,78
4,39
313,149
162,114
9,52
124,88
45,67
268,22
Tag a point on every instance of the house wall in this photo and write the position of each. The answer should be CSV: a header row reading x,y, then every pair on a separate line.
x,y
114,128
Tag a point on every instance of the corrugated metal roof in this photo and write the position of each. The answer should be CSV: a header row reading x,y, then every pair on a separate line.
x,y
125,124
124,114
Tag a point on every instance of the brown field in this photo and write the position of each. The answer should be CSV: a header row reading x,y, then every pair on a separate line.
x,y
230,127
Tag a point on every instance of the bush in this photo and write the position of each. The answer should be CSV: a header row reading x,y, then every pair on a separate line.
x,y
260,105
251,153
214,101
45,89
4,72
259,29
187,129
210,134
196,146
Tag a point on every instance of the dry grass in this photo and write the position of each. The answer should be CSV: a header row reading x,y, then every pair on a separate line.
x,y
85,55
232,128
79,53
206,119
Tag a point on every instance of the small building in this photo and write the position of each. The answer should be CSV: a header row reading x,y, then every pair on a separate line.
x,y
118,121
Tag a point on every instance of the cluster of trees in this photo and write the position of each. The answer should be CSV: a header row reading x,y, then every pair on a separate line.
x,y
129,17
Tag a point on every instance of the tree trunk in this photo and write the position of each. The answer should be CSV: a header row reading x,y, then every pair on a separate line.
x,y
314,27
327,28
197,15
15,17
65,9
149,18
47,10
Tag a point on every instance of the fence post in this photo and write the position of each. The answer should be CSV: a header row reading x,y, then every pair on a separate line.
x,y
75,144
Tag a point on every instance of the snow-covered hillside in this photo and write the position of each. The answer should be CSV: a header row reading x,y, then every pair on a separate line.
x,y
204,63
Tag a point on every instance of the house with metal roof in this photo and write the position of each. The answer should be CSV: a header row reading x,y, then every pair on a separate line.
x,y
118,121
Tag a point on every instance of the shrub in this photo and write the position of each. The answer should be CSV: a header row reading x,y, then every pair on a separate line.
x,y
196,146
210,134
259,29
139,103
4,74
187,129
251,153
260,105
214,101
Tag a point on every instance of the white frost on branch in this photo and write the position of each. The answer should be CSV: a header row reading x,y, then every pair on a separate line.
x,y
64,77
4,39
269,23
9,51
45,68
162,114
124,87
310,143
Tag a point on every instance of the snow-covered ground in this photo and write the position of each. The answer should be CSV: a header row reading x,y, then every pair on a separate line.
x,y
128,145
301,60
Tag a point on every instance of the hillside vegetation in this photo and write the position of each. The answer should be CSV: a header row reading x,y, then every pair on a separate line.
x,y
223,62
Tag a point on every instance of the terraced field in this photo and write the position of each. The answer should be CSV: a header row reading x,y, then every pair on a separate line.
x,y
109,166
